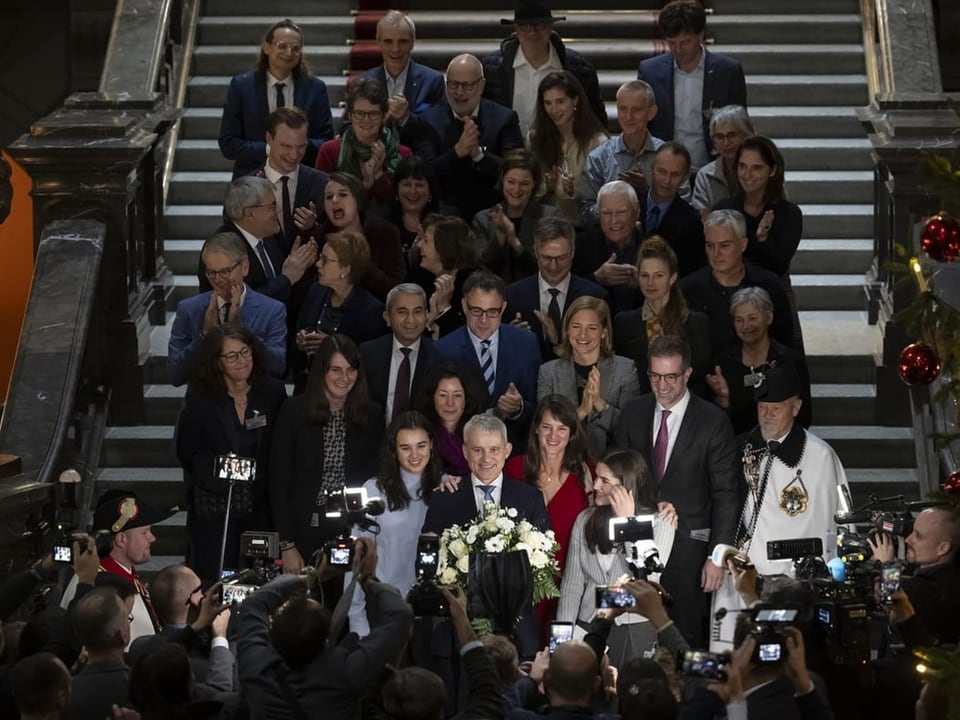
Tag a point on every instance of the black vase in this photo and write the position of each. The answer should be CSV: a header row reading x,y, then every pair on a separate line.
x,y
501,588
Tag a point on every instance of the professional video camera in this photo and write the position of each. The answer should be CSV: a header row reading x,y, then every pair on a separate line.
x,y
770,623
425,597
349,507
636,535
259,552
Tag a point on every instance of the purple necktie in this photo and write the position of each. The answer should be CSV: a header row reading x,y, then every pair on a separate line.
x,y
660,447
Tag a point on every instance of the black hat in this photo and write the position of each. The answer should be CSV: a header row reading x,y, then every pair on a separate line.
x,y
119,510
531,12
778,384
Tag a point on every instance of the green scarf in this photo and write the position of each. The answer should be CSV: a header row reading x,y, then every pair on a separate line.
x,y
354,153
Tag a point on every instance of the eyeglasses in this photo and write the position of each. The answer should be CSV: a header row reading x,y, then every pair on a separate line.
x,y
554,259
366,114
669,378
197,589
467,86
488,313
264,205
726,137
324,259
236,356
223,274
284,46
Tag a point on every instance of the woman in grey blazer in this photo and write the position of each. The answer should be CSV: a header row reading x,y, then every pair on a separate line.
x,y
623,487
587,372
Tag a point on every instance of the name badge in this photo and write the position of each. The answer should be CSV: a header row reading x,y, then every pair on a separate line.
x,y
255,422
752,380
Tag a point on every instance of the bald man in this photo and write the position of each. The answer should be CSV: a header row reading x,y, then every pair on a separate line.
x,y
571,679
464,137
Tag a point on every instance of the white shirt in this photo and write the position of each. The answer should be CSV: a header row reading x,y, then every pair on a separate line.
x,y
396,85
253,241
221,302
478,494
396,357
563,286
275,177
272,91
526,83
674,420
688,112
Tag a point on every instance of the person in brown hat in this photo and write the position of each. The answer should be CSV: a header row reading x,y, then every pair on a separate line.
x,y
123,528
514,72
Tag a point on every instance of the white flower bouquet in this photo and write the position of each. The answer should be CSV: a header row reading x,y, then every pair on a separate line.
x,y
498,531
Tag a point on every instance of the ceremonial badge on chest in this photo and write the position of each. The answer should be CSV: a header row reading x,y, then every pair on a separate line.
x,y
751,465
793,498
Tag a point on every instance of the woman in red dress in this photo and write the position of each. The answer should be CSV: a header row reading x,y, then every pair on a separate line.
x,y
556,464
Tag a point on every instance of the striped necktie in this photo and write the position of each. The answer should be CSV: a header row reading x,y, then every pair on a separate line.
x,y
486,366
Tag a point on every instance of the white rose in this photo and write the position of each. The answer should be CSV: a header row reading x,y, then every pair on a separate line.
x,y
523,547
490,524
539,559
463,565
457,548
494,544
448,576
512,512
505,524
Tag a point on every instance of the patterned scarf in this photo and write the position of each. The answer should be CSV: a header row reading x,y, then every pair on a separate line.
x,y
354,153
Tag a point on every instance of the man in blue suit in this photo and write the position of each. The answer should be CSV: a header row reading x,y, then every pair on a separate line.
x,y
690,82
486,449
411,87
226,263
280,79
503,360
464,138
547,295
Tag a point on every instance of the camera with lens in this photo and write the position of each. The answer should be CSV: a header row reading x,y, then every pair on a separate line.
x,y
349,507
636,535
259,552
770,625
425,597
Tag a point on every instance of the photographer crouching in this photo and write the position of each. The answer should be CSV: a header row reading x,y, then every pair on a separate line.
x,y
923,612
288,665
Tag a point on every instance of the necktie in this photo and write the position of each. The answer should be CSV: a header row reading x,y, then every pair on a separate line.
x,y
401,393
487,491
660,447
486,366
225,312
280,101
653,219
289,229
553,310
265,260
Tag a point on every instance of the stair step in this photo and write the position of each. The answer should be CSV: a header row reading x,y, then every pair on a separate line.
x,y
840,186
813,256
138,446
882,482
829,292
327,29
837,221
815,153
190,221
807,121
277,8
844,404
201,155
870,446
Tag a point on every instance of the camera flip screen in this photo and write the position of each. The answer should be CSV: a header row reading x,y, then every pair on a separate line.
x,y
613,596
560,632
237,469
62,553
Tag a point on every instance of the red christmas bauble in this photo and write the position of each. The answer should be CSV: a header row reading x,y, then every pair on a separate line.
x,y
918,364
940,238
952,485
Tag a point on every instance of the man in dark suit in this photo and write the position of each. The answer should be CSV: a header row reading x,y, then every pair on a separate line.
x,y
411,87
101,626
397,364
709,290
486,449
280,79
690,81
464,138
664,213
502,359
689,446
226,265
547,295
608,254
251,209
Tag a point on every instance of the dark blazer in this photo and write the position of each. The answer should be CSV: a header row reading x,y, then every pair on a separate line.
x,y
310,185
777,251
243,127
523,297
266,318
630,340
376,363
362,321
424,87
277,287
701,482
469,186
296,466
723,84
774,701
518,358
498,257
681,227
592,251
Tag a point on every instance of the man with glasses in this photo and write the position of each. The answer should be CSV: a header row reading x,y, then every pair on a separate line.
x,y
539,302
532,52
225,265
503,360
464,138
689,445
274,267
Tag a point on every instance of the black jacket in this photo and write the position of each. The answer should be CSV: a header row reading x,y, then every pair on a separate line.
x,y
498,70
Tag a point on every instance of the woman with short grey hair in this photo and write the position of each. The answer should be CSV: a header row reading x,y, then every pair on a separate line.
x,y
729,127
